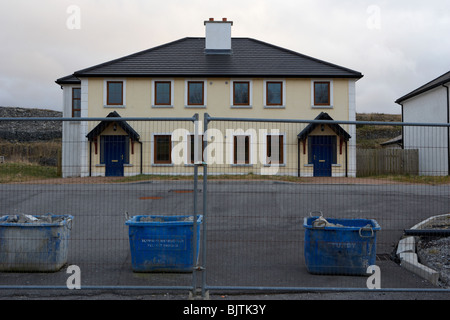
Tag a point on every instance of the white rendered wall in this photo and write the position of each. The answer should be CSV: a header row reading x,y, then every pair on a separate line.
x,y
432,142
218,35
75,145
352,128
71,134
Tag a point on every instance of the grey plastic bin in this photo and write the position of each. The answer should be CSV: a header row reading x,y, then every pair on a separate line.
x,y
34,246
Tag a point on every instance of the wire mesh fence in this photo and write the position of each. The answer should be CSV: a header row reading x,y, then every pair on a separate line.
x,y
254,187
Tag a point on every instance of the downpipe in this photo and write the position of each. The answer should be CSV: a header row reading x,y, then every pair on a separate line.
x,y
448,129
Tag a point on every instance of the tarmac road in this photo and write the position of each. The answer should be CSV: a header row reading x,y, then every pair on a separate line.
x,y
254,232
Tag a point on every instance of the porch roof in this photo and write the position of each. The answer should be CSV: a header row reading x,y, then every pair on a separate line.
x,y
334,126
104,124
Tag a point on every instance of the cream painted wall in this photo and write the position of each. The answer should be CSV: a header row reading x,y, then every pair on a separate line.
x,y
297,101
297,105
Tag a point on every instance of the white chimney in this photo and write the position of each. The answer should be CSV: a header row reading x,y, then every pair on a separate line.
x,y
218,36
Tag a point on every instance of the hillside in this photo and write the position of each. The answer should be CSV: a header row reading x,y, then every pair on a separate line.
x,y
370,137
383,117
30,130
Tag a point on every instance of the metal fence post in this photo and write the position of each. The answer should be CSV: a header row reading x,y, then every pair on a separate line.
x,y
205,199
194,238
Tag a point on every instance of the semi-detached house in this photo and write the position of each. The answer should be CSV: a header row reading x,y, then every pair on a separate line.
x,y
224,77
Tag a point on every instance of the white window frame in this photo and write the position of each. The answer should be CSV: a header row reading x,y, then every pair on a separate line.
x,y
330,106
105,93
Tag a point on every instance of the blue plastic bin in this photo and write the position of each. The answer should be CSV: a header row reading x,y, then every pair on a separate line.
x,y
163,243
347,248
34,247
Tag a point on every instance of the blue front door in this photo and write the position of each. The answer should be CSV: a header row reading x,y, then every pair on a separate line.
x,y
322,154
114,148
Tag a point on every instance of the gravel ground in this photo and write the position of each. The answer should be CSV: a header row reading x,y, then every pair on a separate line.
x,y
434,252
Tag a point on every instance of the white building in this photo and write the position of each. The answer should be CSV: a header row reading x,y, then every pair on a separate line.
x,y
429,104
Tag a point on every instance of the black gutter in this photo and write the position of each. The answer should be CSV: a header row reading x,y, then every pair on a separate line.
x,y
90,158
298,158
403,128
214,75
141,157
346,160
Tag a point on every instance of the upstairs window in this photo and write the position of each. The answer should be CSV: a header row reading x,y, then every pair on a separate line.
x,y
322,93
163,93
241,93
196,93
274,93
114,93
76,102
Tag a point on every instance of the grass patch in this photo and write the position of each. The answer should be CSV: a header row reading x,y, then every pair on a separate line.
x,y
149,177
249,176
21,172
430,180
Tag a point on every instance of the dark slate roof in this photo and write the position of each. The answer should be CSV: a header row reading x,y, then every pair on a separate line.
x,y
334,126
445,78
71,79
102,126
187,57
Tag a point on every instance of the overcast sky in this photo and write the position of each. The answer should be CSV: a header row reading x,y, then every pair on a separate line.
x,y
398,45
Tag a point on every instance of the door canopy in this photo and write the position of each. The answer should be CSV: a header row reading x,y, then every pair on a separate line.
x,y
334,126
94,133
